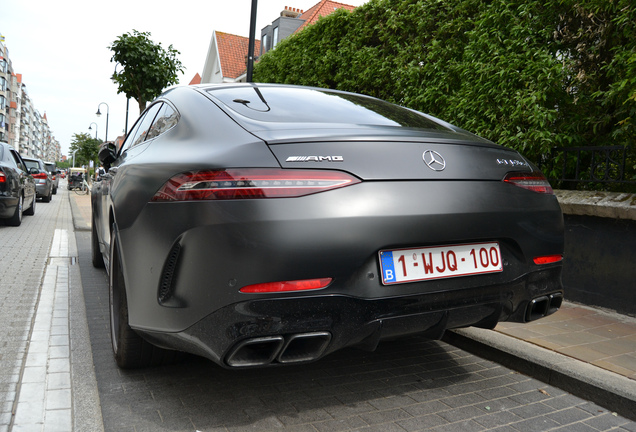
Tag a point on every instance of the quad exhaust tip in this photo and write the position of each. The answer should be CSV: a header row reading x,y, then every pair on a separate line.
x,y
262,351
543,306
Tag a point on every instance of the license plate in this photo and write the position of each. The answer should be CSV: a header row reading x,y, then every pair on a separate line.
x,y
439,262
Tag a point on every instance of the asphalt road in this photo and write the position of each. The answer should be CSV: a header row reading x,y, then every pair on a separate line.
x,y
406,385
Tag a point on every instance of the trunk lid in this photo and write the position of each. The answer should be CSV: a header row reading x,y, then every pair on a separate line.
x,y
434,156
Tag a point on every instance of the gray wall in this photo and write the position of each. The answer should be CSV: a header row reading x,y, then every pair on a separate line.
x,y
600,249
600,262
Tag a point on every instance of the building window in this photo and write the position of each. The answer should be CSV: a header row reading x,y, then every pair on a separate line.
x,y
264,44
275,41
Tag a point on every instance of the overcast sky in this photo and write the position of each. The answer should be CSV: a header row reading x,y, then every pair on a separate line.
x,y
61,49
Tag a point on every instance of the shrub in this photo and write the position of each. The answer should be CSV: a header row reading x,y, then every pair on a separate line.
x,y
531,75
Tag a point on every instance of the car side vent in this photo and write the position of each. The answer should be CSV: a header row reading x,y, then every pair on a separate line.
x,y
166,288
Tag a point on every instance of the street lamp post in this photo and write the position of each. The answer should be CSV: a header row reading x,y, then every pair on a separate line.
x,y
251,42
98,113
90,128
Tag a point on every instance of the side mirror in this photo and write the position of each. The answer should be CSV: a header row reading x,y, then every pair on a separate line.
x,y
34,171
107,154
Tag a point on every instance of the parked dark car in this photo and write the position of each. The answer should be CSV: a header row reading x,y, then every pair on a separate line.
x,y
54,174
264,225
43,182
17,187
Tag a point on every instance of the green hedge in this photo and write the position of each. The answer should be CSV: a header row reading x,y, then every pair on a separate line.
x,y
530,75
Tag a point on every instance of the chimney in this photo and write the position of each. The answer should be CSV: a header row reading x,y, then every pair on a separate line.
x,y
290,12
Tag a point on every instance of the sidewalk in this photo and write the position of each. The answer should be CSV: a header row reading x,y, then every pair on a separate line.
x,y
586,351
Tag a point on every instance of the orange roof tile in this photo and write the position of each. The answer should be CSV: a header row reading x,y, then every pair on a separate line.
x,y
323,8
233,53
196,79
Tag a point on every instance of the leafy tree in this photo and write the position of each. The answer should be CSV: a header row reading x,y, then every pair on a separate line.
x,y
85,148
147,67
62,165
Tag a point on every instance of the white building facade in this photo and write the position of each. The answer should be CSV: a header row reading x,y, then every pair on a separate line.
x,y
21,124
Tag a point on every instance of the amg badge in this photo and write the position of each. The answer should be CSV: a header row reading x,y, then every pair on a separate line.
x,y
315,159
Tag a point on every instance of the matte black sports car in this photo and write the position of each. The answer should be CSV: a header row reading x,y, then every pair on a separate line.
x,y
262,224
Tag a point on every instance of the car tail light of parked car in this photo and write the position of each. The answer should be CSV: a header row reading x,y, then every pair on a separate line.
x,y
40,177
250,184
534,181
548,259
299,285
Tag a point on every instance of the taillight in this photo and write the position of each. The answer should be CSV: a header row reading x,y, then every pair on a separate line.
x,y
40,176
250,183
3,177
534,181
547,259
297,285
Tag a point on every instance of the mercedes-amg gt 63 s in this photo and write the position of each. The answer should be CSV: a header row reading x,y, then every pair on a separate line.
x,y
260,225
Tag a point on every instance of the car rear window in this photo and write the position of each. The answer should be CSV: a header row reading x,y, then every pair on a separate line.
x,y
31,164
302,105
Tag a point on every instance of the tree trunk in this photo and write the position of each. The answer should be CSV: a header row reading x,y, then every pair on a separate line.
x,y
142,105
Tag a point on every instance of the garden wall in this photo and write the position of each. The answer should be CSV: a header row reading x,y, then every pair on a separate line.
x,y
600,249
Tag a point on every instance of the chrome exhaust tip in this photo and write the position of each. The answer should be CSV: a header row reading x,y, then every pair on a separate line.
x,y
543,306
255,352
304,347
537,308
556,300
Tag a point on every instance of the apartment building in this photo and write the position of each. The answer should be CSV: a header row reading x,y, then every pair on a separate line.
x,y
21,124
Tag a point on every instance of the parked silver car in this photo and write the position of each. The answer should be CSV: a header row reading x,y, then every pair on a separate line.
x,y
51,168
43,182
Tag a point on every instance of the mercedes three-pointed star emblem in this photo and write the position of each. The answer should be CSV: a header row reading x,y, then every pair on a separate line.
x,y
434,160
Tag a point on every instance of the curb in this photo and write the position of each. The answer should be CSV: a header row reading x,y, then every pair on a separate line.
x,y
79,223
607,389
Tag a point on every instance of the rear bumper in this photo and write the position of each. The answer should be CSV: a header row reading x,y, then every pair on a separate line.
x,y
7,206
184,264
275,331
42,190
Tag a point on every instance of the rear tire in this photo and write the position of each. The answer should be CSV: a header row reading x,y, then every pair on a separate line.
x,y
130,349
96,255
16,219
31,210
